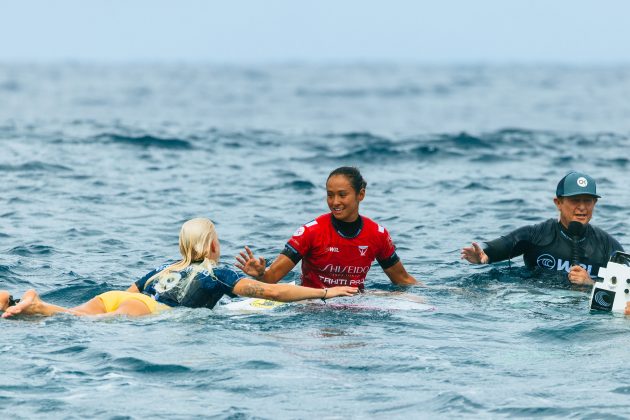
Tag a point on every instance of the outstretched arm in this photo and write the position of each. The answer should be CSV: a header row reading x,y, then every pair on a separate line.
x,y
399,276
474,254
256,267
288,292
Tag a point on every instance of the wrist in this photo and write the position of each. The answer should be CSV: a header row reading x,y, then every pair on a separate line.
x,y
325,294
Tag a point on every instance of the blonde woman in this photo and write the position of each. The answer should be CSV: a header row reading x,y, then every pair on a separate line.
x,y
196,281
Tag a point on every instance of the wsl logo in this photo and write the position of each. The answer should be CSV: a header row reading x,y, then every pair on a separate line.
x,y
546,261
549,262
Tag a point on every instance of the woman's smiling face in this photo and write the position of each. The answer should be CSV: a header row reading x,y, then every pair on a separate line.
x,y
343,201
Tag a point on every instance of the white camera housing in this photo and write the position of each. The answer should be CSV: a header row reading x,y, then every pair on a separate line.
x,y
612,293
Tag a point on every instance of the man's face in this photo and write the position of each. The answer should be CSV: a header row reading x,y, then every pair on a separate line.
x,y
578,208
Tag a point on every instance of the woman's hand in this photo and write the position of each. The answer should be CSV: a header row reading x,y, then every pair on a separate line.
x,y
338,291
250,265
474,254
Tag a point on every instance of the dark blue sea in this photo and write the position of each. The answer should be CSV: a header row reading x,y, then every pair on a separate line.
x,y
101,164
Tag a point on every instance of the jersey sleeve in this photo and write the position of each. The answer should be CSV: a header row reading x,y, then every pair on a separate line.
x,y
386,255
511,245
301,242
228,277
291,253
140,283
614,246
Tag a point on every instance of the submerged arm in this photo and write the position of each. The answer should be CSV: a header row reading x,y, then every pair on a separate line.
x,y
399,276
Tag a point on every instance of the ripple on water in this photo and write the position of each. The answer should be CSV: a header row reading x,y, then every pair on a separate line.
x,y
32,250
34,166
146,141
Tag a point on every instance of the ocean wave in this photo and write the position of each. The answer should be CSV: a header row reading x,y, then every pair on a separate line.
x,y
137,365
34,166
10,86
145,141
530,412
75,294
452,402
32,250
300,185
356,93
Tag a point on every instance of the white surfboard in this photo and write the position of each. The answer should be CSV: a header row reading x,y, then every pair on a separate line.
x,y
381,302
253,304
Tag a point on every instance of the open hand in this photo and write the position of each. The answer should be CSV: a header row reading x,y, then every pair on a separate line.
x,y
341,291
250,265
474,254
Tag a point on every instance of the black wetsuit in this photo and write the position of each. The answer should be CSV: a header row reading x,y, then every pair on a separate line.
x,y
548,245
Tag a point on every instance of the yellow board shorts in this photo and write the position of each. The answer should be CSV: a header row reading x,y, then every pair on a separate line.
x,y
112,300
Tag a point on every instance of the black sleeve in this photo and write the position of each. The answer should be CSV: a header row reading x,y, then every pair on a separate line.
x,y
389,262
615,246
292,253
511,245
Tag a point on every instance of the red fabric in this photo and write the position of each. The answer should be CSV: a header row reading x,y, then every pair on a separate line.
x,y
328,259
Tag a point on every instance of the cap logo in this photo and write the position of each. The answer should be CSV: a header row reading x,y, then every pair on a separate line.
x,y
582,182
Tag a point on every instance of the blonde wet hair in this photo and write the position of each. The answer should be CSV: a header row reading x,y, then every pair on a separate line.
x,y
195,239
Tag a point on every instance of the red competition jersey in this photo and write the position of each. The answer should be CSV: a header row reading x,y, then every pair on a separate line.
x,y
329,259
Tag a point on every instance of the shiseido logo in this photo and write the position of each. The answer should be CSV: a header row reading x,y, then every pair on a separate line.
x,y
346,269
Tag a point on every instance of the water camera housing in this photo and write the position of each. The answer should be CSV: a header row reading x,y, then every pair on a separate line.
x,y
613,293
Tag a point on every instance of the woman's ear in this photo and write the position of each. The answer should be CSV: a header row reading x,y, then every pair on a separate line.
x,y
361,194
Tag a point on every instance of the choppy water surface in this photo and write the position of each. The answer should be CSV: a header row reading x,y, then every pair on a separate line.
x,y
100,165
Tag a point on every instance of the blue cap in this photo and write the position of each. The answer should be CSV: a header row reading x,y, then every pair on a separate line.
x,y
576,183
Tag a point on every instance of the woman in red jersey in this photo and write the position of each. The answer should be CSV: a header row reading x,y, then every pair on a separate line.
x,y
337,248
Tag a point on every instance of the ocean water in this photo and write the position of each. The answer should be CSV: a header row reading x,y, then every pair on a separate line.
x,y
100,165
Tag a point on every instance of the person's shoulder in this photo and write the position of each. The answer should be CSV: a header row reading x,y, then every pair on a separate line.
x,y
227,275
321,220
372,225
544,226
550,223
314,225
226,270
158,269
601,233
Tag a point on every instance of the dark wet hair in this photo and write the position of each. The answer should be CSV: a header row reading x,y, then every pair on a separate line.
x,y
353,175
